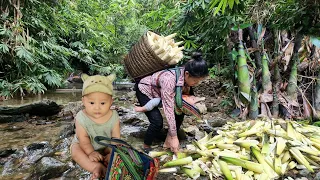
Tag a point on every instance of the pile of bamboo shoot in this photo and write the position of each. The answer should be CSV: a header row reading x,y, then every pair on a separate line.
x,y
260,150
165,47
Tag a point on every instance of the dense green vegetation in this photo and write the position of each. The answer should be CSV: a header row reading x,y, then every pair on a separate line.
x,y
42,42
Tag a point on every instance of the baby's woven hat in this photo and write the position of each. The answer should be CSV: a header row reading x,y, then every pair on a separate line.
x,y
97,83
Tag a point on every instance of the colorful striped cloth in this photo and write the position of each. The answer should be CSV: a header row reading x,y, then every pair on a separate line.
x,y
188,109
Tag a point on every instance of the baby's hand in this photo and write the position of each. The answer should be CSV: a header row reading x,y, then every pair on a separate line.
x,y
95,156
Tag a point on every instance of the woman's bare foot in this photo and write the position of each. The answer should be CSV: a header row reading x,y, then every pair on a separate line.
x,y
140,109
98,171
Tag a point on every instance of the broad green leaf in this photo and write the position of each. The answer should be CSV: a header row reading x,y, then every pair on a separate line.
x,y
245,25
24,53
315,41
4,48
3,31
235,28
231,2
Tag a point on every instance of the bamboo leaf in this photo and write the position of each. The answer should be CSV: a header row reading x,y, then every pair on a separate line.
x,y
237,1
235,28
245,25
213,3
225,2
218,8
231,2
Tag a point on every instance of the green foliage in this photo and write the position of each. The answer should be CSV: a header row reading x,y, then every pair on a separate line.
x,y
221,5
51,39
218,70
297,15
227,101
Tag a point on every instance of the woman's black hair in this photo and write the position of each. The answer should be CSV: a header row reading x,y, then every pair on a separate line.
x,y
197,67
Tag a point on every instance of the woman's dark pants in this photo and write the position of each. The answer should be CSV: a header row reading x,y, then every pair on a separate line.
x,y
155,119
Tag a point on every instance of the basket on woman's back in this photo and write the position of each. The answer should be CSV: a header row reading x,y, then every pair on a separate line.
x,y
151,54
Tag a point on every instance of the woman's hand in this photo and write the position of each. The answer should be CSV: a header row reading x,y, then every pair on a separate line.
x,y
172,142
95,156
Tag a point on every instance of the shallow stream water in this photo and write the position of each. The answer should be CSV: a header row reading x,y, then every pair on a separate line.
x,y
18,135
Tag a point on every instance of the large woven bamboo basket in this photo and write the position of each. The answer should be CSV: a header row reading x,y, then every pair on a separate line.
x,y
142,60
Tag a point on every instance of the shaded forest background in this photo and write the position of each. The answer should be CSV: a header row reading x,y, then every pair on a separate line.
x,y
267,52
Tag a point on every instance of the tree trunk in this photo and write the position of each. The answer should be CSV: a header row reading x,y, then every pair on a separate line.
x,y
11,118
42,108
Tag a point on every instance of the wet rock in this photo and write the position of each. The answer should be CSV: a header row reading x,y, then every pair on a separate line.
x,y
167,176
130,118
36,151
7,152
139,134
62,149
123,98
218,122
191,130
36,146
131,94
302,178
199,135
71,108
12,163
68,131
8,167
48,168
304,172
12,128
317,177
76,173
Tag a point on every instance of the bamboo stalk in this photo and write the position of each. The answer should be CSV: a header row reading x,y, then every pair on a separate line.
x,y
266,82
253,113
243,75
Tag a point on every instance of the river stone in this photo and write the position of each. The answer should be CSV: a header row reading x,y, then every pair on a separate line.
x,y
130,118
167,176
48,168
317,177
217,122
67,131
304,172
302,178
36,151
